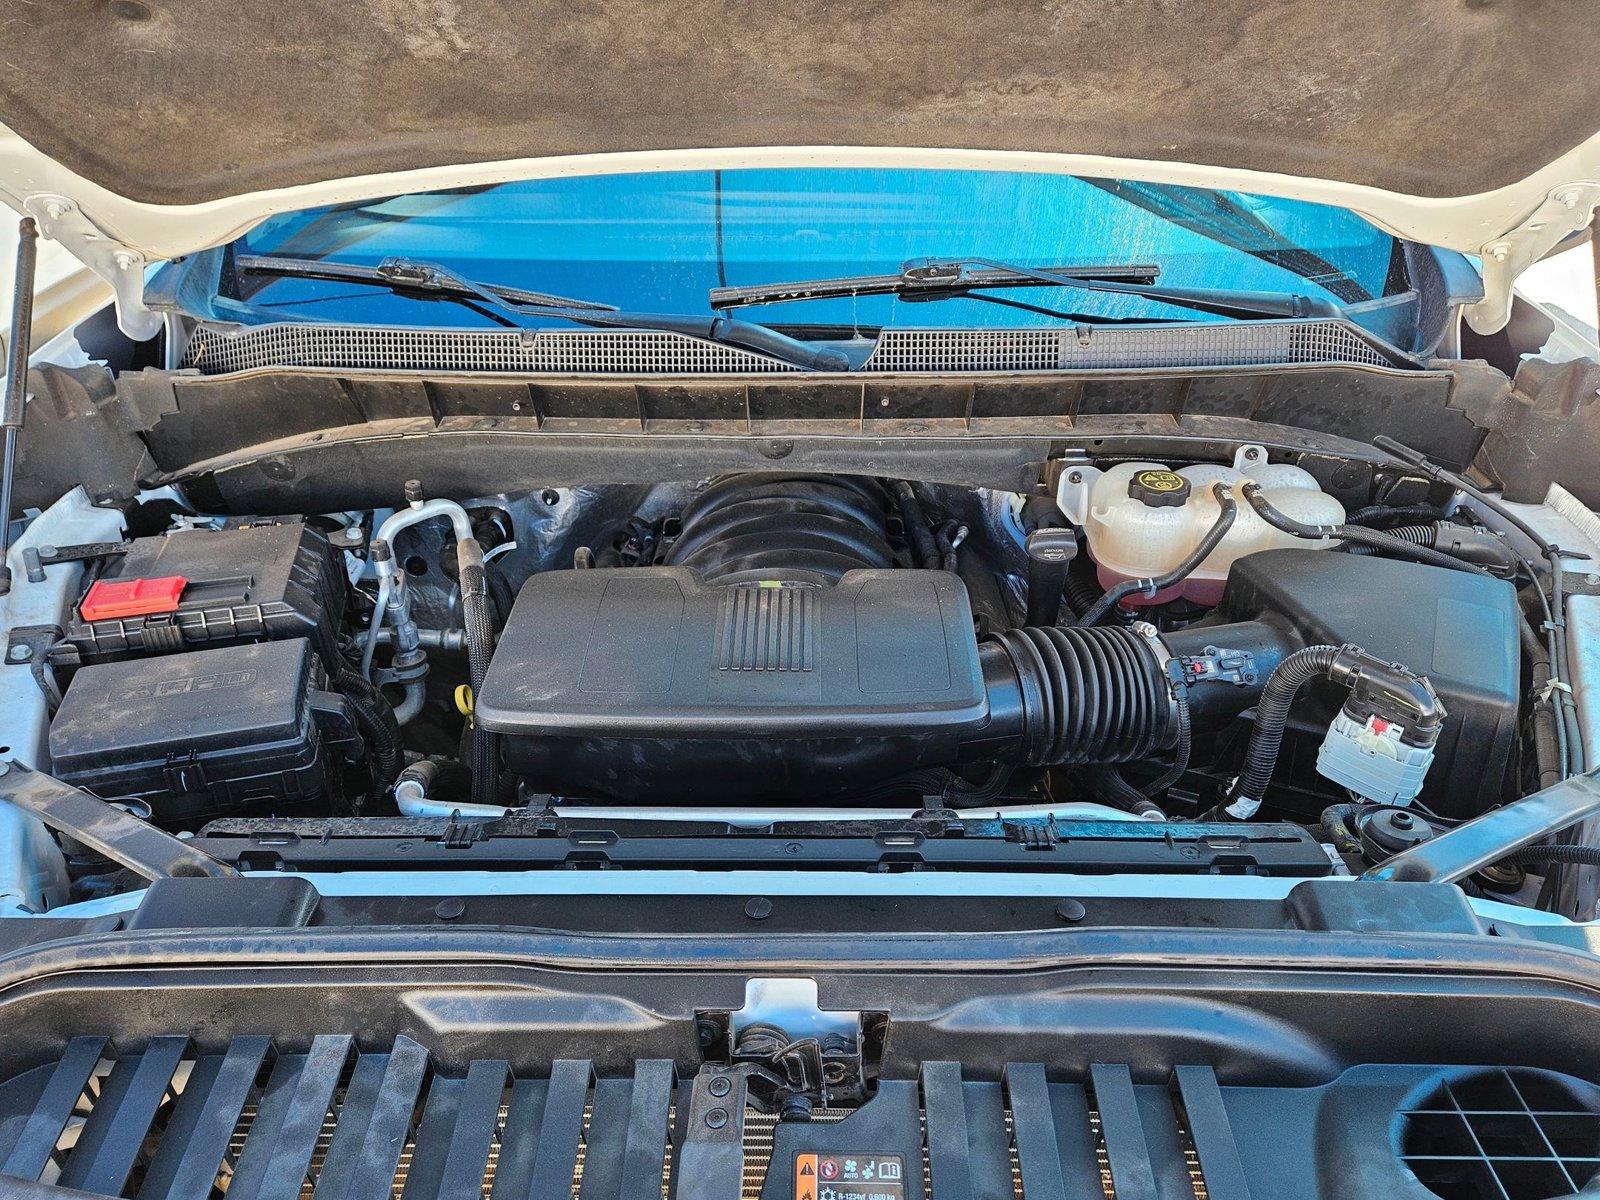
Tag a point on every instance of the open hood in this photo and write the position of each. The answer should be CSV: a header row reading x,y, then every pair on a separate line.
x,y
138,130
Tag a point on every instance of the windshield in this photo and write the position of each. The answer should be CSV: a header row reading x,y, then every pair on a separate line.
x,y
660,242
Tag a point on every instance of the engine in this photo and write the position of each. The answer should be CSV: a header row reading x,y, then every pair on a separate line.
x,y
1206,641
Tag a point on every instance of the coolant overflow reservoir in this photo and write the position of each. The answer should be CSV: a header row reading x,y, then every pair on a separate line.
x,y
1142,519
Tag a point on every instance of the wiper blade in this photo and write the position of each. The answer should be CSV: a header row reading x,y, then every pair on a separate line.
x,y
409,276
953,277
510,305
908,282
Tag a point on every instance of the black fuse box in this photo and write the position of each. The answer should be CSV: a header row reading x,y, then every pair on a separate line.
x,y
250,583
228,731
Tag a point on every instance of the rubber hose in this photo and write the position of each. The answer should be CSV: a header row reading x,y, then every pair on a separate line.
x,y
1580,856
476,616
501,593
1379,514
1218,531
1336,821
1087,695
923,545
1272,717
1546,747
375,716
1350,533
1082,595
1106,784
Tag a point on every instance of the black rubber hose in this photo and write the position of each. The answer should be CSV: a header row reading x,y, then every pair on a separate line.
x,y
1082,595
1106,784
1579,856
1349,533
501,593
1272,717
1086,695
1546,743
477,616
924,547
375,717
1149,587
1383,514
1336,820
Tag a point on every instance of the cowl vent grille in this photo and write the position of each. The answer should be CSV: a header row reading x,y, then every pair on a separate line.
x,y
1503,1135
220,350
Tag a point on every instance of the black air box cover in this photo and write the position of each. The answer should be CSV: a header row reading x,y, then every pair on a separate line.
x,y
225,731
644,682
1458,629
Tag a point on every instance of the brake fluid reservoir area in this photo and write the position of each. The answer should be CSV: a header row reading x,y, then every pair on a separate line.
x,y
1142,519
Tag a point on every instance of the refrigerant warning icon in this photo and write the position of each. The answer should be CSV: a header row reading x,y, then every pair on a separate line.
x,y
853,1176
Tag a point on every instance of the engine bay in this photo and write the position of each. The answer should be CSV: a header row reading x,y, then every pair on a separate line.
x,y
1147,642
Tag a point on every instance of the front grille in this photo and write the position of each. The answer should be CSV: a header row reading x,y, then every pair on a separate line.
x,y
218,350
253,1122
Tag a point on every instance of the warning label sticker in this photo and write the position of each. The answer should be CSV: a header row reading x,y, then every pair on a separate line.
x,y
839,1176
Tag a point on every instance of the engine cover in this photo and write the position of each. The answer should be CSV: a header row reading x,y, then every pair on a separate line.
x,y
647,683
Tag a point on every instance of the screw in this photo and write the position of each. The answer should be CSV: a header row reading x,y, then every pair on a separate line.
x,y
550,497
1075,477
413,491
1499,252
55,210
125,260
716,1118
19,653
450,908
759,908
720,1085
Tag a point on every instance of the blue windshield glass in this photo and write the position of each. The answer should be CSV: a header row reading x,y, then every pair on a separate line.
x,y
659,242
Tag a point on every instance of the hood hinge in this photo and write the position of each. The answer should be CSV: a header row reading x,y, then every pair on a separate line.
x,y
1565,210
61,220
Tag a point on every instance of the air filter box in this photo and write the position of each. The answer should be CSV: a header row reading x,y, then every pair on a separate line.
x,y
235,730
247,583
1457,628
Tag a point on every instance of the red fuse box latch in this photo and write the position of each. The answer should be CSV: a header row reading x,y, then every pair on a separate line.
x,y
109,599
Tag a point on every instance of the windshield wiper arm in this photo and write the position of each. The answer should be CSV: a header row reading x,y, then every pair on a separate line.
x,y
933,277
408,275
908,283
509,305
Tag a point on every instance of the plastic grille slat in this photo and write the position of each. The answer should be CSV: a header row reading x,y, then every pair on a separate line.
x,y
1214,1144
519,1140
949,1138
1120,1123
472,1132
215,350
644,1153
29,1156
560,1130
116,1128
192,1149
1033,1128
374,1122
277,1153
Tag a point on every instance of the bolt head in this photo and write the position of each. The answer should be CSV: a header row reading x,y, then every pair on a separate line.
x,y
20,653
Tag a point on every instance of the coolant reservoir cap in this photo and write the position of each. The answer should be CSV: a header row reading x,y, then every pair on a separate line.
x,y
1159,488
